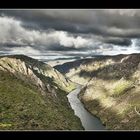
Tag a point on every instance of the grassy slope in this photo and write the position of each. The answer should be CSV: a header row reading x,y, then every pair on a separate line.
x,y
22,106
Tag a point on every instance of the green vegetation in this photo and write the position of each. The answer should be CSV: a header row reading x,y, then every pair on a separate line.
x,y
71,87
122,87
23,107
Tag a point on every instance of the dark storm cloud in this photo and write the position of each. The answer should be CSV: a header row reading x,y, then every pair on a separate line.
x,y
118,41
63,48
116,23
67,30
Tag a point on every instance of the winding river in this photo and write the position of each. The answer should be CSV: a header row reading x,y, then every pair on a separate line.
x,y
88,121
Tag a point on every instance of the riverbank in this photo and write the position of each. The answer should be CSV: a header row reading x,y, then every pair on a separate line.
x,y
114,114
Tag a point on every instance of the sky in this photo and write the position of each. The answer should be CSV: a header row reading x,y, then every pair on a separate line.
x,y
61,33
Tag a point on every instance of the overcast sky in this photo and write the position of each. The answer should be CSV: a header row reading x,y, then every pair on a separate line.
x,y
69,32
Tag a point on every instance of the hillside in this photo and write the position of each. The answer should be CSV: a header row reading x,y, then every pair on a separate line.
x,y
33,96
111,88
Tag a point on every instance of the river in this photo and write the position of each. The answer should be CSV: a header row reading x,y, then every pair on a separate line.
x,y
88,121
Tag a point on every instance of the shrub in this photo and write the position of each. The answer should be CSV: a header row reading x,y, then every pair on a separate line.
x,y
122,87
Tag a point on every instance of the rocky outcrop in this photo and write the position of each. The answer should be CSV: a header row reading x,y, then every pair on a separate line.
x,y
31,70
19,69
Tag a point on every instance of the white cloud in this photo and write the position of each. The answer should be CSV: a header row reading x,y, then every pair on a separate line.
x,y
12,32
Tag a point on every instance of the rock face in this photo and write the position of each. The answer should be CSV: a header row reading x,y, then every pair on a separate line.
x,y
31,70
111,90
33,96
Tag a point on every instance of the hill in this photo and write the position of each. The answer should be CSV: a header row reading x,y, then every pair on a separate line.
x,y
33,96
111,88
